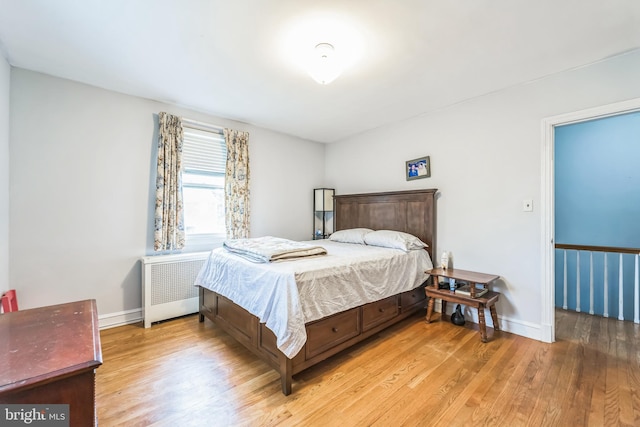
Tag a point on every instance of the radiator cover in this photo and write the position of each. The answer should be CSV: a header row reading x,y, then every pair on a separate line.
x,y
168,289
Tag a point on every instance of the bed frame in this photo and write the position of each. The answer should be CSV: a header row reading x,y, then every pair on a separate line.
x,y
409,211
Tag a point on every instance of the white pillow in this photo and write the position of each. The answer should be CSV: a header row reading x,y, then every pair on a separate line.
x,y
351,235
394,239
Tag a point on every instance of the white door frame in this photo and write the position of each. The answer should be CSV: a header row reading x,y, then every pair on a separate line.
x,y
548,330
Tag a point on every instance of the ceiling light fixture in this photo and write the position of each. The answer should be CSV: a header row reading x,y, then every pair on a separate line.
x,y
324,66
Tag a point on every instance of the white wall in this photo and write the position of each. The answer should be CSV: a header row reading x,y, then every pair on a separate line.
x,y
5,78
486,159
81,194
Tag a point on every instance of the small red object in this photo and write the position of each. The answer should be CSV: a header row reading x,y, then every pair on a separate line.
x,y
9,301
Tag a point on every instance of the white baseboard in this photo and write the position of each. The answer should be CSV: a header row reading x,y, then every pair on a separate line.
x,y
547,333
111,320
522,328
514,326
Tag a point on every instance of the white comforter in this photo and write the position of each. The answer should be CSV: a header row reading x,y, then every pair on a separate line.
x,y
272,249
286,295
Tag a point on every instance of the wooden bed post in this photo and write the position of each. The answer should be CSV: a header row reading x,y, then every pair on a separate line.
x,y
200,304
286,372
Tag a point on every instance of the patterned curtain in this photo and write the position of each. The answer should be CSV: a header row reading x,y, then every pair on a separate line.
x,y
169,216
237,184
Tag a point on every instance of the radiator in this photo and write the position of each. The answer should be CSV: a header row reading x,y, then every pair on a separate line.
x,y
167,285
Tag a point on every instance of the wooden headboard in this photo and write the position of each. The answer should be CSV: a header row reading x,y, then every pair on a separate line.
x,y
412,211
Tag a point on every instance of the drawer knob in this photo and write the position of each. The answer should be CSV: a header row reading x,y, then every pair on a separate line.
x,y
381,310
334,329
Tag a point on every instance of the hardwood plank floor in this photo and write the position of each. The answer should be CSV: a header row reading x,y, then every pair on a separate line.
x,y
186,373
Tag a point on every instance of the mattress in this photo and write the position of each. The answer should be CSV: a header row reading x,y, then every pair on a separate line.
x,y
286,295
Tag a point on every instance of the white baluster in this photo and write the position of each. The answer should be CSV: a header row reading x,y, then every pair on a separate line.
x,y
564,304
605,312
620,299
578,281
636,294
590,282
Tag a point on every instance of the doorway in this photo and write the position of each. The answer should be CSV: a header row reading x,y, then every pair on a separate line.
x,y
548,196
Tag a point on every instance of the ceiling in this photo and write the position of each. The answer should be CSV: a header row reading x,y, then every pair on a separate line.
x,y
238,59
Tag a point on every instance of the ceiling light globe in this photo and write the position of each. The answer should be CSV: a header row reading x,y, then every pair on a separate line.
x,y
324,68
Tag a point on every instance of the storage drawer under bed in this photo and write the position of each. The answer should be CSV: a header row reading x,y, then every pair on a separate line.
x,y
412,298
331,331
379,312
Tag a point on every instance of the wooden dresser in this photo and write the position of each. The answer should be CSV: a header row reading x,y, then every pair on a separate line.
x,y
48,355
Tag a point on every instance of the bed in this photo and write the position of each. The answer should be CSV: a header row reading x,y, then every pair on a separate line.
x,y
405,211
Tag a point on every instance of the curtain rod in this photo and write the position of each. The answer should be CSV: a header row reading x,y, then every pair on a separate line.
x,y
201,125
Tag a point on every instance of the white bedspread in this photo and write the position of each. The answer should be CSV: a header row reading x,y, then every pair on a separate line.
x,y
286,295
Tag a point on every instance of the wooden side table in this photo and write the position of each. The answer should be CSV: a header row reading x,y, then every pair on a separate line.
x,y
487,300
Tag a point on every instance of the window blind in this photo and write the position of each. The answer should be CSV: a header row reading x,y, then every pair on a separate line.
x,y
204,152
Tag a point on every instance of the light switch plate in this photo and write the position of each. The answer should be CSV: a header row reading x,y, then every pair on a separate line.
x,y
527,205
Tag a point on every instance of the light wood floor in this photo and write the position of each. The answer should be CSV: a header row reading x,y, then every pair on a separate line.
x,y
186,373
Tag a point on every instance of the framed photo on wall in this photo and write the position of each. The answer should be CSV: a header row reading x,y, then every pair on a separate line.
x,y
418,168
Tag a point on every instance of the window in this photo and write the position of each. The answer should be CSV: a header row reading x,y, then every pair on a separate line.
x,y
204,156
